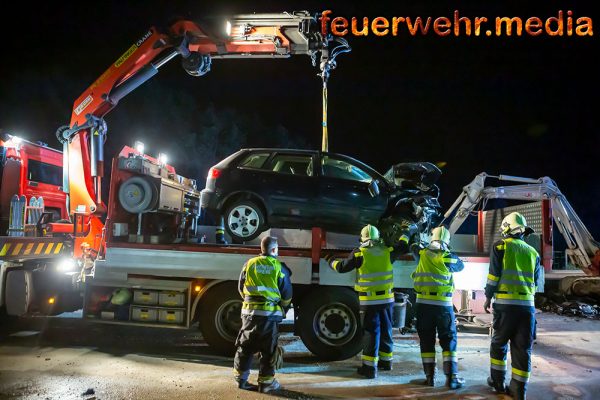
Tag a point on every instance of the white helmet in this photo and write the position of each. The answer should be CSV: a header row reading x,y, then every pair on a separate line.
x,y
515,224
369,232
440,234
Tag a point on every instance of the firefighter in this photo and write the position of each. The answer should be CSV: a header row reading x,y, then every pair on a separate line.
x,y
265,286
434,286
374,284
514,272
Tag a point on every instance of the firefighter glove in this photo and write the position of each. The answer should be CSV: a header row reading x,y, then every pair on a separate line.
x,y
330,258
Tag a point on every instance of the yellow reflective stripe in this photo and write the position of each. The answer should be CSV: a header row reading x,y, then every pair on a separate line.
x,y
512,296
28,249
383,354
17,249
501,246
403,238
497,362
450,260
5,249
358,254
448,353
39,248
524,374
428,354
49,248
370,358
58,247
334,264
493,277
265,379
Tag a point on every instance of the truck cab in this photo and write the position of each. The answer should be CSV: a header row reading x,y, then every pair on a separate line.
x,y
31,170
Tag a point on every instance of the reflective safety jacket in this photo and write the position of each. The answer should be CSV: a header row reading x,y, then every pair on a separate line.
x,y
514,271
433,280
374,275
265,287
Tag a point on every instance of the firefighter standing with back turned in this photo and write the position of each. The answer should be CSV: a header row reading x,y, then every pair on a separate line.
x,y
434,285
267,291
514,272
374,284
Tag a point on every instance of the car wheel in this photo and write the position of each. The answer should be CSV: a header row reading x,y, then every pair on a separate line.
x,y
329,323
244,220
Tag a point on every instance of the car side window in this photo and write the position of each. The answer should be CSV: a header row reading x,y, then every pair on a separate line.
x,y
341,169
254,160
292,164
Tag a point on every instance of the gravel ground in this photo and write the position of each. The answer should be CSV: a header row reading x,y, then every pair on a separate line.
x,y
67,358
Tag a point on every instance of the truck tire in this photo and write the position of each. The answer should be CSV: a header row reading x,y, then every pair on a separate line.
x,y
329,323
220,317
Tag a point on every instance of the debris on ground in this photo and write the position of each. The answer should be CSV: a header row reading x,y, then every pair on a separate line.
x,y
559,303
88,392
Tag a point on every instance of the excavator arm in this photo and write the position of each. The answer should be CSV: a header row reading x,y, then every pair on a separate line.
x,y
196,44
583,249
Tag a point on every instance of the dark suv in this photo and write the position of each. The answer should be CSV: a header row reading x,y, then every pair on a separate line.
x,y
254,189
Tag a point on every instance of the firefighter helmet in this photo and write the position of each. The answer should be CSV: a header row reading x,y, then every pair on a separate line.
x,y
515,224
441,234
369,232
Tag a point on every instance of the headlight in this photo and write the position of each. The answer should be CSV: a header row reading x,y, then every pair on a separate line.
x,y
66,265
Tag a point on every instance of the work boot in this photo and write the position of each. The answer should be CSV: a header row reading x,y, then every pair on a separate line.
x,y
269,387
516,390
453,381
429,370
245,385
367,371
384,365
499,387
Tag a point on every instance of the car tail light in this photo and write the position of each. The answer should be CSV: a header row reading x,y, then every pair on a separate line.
x,y
214,173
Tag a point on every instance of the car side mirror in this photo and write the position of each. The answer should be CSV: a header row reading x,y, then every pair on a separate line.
x,y
373,188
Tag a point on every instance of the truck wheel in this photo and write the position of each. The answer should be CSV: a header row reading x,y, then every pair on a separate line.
x,y
220,317
329,323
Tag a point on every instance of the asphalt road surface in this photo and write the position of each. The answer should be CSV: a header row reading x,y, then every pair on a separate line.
x,y
67,358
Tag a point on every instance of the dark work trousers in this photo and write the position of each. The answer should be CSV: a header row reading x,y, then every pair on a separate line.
x,y
514,324
257,335
378,343
432,319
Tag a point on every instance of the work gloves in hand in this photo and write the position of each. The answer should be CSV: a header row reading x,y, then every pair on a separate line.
x,y
330,258
487,304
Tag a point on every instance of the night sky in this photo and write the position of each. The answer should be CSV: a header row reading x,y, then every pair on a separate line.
x,y
524,106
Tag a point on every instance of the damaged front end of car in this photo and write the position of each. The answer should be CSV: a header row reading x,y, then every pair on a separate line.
x,y
414,208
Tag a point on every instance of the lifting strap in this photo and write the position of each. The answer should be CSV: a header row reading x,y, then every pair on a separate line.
x,y
327,64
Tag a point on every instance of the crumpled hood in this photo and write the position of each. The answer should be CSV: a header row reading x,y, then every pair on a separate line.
x,y
413,175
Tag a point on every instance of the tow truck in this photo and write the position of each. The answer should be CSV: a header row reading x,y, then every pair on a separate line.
x,y
142,258
145,239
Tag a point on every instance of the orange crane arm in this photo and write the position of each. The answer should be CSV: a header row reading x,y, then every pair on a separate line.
x,y
241,36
